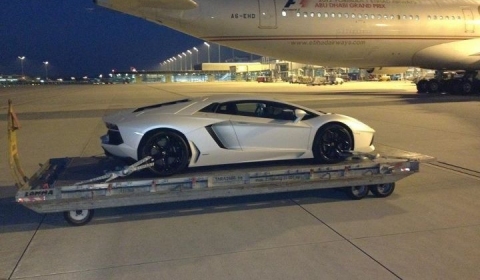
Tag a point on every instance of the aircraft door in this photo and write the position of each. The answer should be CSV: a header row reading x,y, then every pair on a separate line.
x,y
468,17
267,14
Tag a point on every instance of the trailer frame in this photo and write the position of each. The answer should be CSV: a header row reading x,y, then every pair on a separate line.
x,y
47,191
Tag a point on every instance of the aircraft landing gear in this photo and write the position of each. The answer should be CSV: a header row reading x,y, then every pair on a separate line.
x,y
468,84
446,82
422,86
434,86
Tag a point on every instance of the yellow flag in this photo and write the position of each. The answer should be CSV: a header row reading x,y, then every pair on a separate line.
x,y
13,125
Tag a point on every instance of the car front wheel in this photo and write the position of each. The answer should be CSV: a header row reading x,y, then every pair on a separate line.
x,y
168,150
332,144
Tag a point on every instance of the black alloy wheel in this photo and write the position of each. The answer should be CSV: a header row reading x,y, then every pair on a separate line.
x,y
168,150
332,144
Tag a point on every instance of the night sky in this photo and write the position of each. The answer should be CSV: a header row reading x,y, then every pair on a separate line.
x,y
78,38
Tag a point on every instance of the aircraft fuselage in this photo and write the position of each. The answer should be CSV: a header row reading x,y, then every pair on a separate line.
x,y
361,33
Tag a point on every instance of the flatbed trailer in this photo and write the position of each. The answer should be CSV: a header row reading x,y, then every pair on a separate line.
x,y
63,184
78,186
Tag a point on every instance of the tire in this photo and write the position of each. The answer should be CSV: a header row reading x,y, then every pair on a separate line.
x,y
382,190
78,217
466,87
357,192
422,86
332,143
169,152
433,86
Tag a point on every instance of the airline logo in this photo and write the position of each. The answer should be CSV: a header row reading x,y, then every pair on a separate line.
x,y
303,3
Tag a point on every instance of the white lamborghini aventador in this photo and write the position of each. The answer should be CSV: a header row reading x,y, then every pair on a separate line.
x,y
226,129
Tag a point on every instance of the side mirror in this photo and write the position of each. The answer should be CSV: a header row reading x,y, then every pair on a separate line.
x,y
299,114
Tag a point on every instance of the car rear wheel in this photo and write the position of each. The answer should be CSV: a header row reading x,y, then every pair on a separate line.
x,y
332,144
168,150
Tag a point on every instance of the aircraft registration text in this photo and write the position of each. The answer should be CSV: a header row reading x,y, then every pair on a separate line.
x,y
243,16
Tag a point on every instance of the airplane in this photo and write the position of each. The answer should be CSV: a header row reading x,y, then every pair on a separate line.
x,y
372,34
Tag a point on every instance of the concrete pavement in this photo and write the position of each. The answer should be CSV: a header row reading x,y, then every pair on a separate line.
x,y
428,229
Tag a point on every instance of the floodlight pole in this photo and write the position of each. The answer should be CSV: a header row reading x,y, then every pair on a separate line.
x,y
208,46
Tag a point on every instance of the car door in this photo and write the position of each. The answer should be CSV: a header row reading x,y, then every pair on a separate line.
x,y
261,125
221,130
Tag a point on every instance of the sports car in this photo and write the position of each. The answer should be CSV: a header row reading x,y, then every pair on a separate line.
x,y
227,129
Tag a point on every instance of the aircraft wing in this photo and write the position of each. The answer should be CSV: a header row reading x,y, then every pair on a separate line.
x,y
455,55
129,6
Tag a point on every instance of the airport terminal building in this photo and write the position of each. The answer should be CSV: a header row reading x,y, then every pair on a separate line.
x,y
265,71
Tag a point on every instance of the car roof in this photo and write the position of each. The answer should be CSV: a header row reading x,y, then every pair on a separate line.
x,y
198,103
220,98
192,105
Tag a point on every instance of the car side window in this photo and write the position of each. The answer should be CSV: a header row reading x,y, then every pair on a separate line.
x,y
265,109
279,111
249,108
261,109
242,108
210,108
229,108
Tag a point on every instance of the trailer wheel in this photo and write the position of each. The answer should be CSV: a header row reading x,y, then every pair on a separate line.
x,y
78,217
357,192
383,190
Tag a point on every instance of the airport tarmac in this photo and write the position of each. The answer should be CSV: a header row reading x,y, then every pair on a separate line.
x,y
429,228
